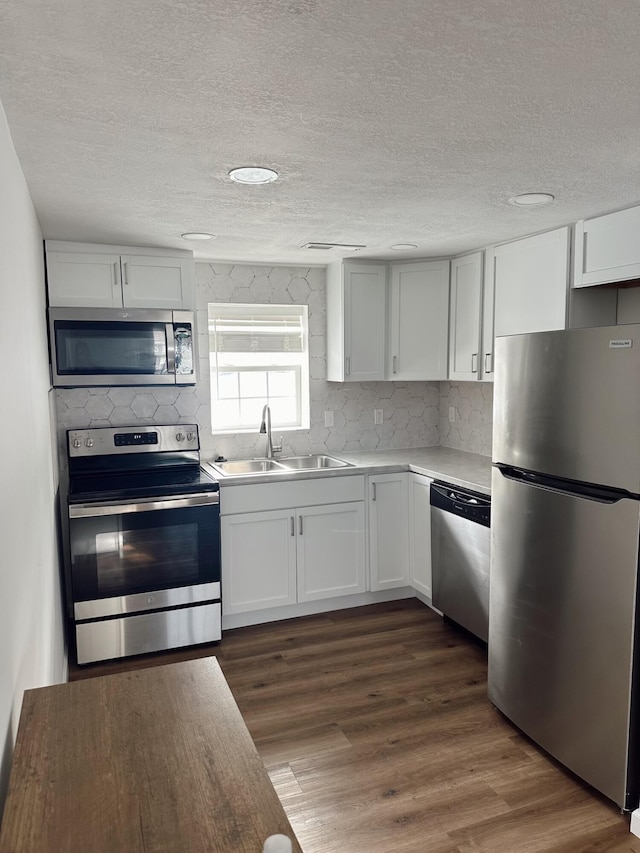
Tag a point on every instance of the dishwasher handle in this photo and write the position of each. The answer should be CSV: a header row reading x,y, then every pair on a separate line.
x,y
461,502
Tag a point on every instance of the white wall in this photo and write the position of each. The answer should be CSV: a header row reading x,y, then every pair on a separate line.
x,y
32,652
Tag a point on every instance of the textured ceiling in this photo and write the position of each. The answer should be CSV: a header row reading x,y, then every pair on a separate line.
x,y
399,121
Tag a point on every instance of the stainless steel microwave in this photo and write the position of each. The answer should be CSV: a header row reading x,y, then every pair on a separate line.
x,y
120,346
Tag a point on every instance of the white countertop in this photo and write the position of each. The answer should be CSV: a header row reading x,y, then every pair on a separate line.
x,y
468,470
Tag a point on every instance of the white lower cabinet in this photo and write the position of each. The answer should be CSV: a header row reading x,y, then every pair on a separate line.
x,y
420,533
312,544
272,558
388,530
330,551
259,561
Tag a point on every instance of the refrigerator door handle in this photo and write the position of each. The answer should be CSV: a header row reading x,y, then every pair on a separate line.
x,y
588,491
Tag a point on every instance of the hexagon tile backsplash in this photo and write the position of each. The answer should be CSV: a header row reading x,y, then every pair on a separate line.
x,y
415,414
472,425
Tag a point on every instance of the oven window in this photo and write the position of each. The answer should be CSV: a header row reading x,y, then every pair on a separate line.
x,y
140,557
137,552
96,348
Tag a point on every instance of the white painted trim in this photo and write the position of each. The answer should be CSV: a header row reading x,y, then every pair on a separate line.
x,y
426,600
308,608
634,829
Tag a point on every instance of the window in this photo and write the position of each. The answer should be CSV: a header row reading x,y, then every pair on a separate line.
x,y
258,354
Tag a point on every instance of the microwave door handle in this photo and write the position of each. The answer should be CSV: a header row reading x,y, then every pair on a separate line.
x,y
171,348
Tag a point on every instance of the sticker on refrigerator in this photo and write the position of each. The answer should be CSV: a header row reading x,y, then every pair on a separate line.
x,y
622,343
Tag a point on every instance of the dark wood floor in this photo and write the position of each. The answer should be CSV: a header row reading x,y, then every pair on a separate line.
x,y
377,733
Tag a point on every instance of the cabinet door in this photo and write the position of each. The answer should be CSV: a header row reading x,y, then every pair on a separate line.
x,y
420,533
331,550
530,277
157,282
84,280
607,248
488,304
365,300
464,318
388,531
258,560
419,321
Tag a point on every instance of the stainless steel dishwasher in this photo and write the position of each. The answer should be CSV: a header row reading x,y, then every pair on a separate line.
x,y
460,541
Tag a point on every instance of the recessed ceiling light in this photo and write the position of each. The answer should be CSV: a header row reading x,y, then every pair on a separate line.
x,y
197,235
403,247
529,199
253,175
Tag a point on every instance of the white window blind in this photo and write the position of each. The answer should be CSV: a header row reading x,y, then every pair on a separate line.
x,y
258,354
256,328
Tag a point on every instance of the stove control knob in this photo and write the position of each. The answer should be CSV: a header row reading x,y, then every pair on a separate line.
x,y
89,442
191,436
179,436
77,442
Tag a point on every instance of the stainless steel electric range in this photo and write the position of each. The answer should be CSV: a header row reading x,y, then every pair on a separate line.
x,y
143,549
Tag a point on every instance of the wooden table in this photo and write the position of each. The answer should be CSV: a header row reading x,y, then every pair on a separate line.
x,y
153,760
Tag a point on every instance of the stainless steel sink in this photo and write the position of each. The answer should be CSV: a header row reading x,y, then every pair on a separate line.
x,y
312,462
248,466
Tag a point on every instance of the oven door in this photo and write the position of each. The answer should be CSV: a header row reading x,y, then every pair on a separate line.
x,y
128,557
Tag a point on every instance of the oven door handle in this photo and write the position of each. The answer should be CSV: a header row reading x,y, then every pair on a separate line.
x,y
95,510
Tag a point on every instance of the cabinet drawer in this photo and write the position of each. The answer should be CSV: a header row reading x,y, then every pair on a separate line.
x,y
291,493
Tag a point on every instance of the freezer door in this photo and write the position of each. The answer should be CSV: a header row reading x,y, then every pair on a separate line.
x,y
561,625
568,403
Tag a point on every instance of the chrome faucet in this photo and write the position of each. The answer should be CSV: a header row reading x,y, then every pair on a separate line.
x,y
265,429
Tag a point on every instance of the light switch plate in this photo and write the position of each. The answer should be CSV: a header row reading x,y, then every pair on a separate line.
x,y
452,414
377,416
328,419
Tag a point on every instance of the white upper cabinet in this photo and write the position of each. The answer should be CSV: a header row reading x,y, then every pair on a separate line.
x,y
92,276
607,248
530,277
150,281
356,321
465,356
488,307
418,321
91,280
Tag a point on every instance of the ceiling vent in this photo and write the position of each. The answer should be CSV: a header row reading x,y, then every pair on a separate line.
x,y
324,246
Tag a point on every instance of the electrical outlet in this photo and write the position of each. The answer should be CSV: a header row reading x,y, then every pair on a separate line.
x,y
452,414
377,416
328,419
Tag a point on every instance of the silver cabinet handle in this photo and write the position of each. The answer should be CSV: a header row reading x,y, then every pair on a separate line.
x,y
474,362
125,276
293,526
395,364
373,496
348,365
300,525
116,274
487,362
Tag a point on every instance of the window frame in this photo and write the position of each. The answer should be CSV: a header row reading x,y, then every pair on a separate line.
x,y
265,362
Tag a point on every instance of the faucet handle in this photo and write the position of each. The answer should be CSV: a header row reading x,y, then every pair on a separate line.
x,y
277,448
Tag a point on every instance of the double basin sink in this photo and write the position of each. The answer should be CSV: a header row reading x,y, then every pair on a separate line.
x,y
315,462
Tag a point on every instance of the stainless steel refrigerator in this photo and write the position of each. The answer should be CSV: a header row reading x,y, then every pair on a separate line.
x,y
563,636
